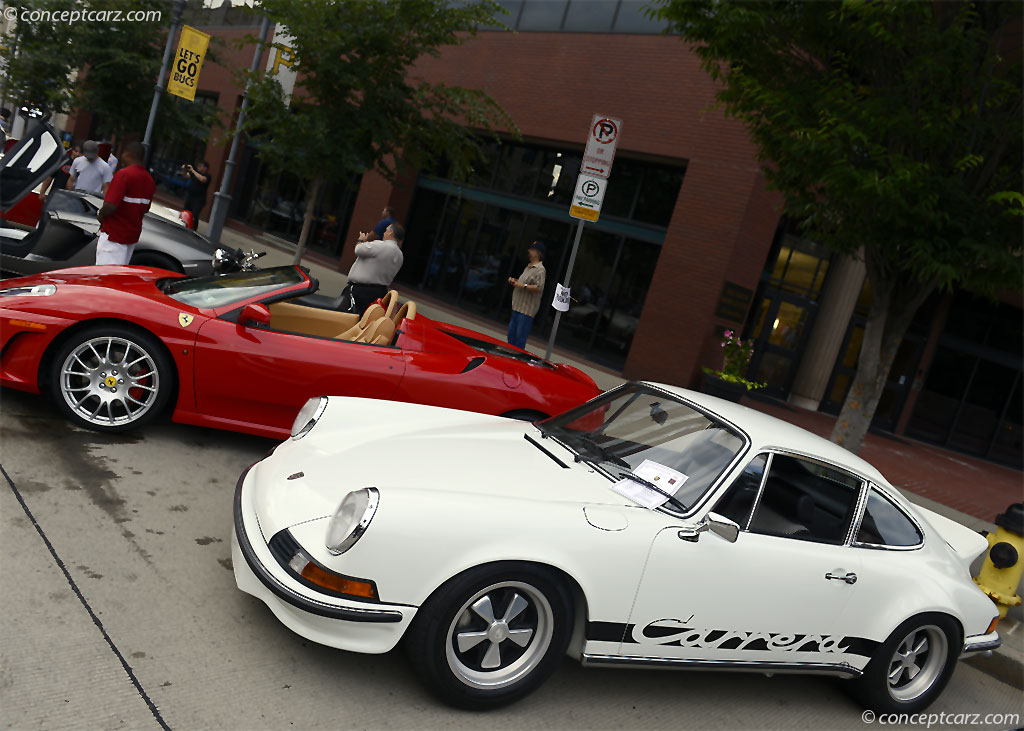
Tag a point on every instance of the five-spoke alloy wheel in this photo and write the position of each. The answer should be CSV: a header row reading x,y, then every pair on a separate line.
x,y
491,635
910,669
111,378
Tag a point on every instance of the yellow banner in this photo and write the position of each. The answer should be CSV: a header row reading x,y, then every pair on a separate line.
x,y
187,63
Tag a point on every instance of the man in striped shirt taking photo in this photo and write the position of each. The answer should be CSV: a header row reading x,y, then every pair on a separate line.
x,y
127,200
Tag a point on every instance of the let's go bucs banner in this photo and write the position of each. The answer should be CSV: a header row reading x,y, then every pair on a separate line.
x,y
187,63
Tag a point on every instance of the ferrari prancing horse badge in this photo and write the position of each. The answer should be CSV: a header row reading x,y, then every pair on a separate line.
x,y
184,319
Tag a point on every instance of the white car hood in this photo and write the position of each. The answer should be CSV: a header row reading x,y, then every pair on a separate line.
x,y
369,443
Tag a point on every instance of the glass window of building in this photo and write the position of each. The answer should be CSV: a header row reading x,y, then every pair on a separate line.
x,y
591,16
542,15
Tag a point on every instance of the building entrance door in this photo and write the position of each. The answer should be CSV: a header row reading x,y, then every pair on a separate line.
x,y
780,332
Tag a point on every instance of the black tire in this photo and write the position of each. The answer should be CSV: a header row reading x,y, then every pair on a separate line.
x,y
156,260
124,367
459,676
874,689
525,415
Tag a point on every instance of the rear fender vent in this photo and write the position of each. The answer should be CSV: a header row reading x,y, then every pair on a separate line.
x,y
473,364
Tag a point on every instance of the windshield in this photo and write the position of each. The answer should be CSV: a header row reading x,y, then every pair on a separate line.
x,y
226,289
628,425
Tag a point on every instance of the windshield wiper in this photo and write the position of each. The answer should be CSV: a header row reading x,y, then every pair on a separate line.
x,y
651,486
588,444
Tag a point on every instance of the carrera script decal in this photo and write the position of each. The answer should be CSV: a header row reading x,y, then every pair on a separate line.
x,y
184,319
675,632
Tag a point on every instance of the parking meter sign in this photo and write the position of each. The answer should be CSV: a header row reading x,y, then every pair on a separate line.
x,y
586,201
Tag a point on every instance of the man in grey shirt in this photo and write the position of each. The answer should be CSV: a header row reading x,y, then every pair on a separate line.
x,y
89,172
371,274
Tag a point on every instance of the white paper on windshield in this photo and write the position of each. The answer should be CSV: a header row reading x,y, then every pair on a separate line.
x,y
664,477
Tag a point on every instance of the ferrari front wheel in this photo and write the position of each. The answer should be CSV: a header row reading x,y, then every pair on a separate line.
x,y
491,635
111,378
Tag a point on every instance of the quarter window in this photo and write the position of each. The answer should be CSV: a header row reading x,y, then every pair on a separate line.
x,y
805,500
886,525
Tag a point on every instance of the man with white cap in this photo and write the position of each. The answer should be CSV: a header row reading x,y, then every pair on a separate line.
x,y
89,172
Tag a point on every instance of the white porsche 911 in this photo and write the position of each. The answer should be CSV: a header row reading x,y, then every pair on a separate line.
x,y
650,527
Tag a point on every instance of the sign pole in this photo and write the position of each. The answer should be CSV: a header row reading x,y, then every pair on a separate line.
x,y
178,9
568,280
222,198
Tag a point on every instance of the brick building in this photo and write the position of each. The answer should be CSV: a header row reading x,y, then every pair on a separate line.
x,y
690,242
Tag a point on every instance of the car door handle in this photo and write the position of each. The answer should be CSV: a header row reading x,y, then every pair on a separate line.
x,y
850,578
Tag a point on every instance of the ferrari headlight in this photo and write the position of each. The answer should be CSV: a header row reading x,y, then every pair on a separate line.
x,y
351,519
39,290
309,414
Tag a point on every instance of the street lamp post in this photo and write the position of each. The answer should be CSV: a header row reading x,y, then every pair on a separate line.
x,y
222,198
179,8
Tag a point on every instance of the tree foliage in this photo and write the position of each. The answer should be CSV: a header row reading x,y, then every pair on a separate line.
x,y
893,131
107,68
357,103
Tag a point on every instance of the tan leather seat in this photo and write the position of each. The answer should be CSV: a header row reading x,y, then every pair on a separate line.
x,y
408,310
380,332
389,302
372,314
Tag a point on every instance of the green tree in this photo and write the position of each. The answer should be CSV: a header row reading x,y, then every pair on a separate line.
x,y
107,68
356,105
893,131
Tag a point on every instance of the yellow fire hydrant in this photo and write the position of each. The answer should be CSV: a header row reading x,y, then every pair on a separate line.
x,y
1000,574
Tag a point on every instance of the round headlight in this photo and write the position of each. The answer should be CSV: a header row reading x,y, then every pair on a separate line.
x,y
351,519
311,411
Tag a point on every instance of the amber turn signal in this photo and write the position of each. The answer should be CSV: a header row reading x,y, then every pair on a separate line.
x,y
992,624
340,584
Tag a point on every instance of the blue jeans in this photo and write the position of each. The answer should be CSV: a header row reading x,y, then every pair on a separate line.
x,y
519,329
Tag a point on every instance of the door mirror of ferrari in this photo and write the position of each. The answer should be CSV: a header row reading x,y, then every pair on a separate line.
x,y
256,314
35,158
723,527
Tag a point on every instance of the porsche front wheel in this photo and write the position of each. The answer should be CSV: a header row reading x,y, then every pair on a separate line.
x,y
491,635
111,378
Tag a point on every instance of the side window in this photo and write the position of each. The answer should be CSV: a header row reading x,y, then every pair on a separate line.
x,y
738,500
886,525
64,203
806,500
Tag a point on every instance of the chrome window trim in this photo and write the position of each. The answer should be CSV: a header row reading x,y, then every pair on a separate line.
x,y
760,488
882,546
772,451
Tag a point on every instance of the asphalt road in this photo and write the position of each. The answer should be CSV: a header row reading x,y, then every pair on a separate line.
x,y
120,611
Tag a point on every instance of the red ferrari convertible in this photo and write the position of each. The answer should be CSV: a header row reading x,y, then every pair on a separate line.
x,y
115,345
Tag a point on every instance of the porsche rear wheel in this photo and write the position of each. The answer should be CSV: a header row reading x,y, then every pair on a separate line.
x,y
911,668
491,635
111,378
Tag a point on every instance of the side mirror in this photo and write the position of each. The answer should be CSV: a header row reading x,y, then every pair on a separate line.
x,y
257,314
717,524
723,527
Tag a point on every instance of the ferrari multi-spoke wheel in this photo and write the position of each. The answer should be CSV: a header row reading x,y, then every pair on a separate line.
x,y
912,667
111,378
490,636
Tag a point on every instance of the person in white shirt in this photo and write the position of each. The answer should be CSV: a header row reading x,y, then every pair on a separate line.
x,y
89,172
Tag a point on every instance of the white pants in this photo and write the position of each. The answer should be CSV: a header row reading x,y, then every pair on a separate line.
x,y
108,252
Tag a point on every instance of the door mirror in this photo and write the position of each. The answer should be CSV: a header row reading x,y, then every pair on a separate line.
x,y
256,314
723,527
717,524
35,158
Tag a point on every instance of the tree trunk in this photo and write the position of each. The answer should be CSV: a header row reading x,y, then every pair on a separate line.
x,y
892,311
307,222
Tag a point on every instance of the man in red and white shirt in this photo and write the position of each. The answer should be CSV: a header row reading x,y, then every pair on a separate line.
x,y
127,200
